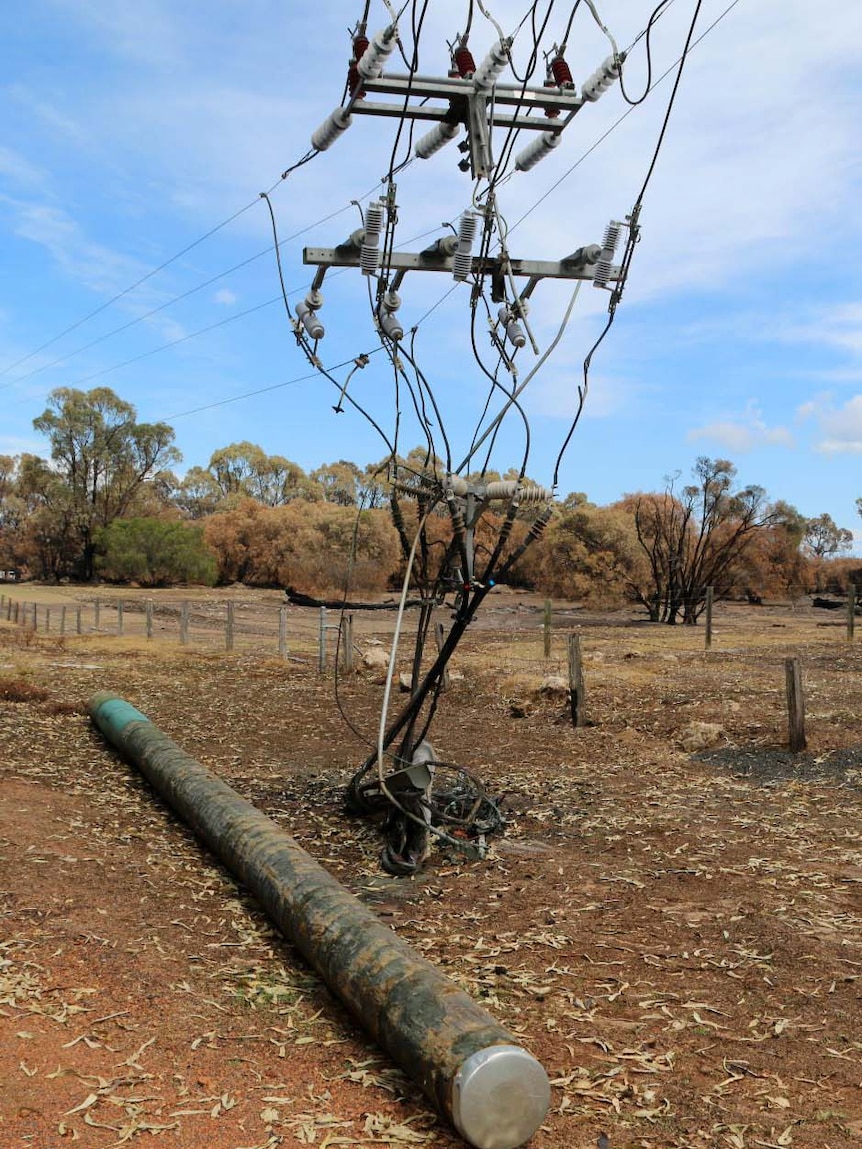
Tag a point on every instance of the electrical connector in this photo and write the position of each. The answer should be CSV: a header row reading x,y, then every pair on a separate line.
x,y
514,330
306,313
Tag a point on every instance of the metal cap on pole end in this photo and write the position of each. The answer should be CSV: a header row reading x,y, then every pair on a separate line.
x,y
500,1096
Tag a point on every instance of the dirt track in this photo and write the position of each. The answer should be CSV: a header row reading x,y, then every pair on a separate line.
x,y
677,938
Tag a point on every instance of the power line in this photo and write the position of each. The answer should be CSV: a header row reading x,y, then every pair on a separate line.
x,y
617,122
126,291
178,298
263,390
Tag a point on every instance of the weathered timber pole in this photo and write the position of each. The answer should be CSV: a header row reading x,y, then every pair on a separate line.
x,y
494,1092
577,692
851,610
795,705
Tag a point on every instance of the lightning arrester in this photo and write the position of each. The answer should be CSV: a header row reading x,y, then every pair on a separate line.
x,y
537,150
377,53
369,255
611,239
462,261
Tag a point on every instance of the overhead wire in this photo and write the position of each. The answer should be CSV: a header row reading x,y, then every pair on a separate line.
x,y
154,271
585,155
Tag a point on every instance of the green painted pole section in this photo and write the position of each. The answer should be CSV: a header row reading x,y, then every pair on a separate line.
x,y
494,1092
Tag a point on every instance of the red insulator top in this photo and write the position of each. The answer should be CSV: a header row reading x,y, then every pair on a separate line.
x,y
354,81
561,72
464,62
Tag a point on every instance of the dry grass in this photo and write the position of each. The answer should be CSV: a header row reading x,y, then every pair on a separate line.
x,y
677,938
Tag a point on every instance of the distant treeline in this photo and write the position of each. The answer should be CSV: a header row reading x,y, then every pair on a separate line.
x,y
107,504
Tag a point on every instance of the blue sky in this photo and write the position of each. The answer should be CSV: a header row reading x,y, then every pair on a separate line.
x,y
129,130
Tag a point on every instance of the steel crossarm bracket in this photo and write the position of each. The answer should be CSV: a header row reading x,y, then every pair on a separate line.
x,y
423,261
453,88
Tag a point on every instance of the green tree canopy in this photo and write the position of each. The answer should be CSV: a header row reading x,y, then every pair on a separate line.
x,y
154,552
104,457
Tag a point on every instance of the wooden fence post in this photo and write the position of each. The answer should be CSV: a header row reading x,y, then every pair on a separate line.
x,y
62,620
546,629
321,652
148,618
577,693
120,617
851,610
47,619
228,630
97,614
795,705
282,632
77,620
710,592
8,609
184,625
35,616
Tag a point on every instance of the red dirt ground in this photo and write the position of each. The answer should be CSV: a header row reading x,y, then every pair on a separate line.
x,y
676,937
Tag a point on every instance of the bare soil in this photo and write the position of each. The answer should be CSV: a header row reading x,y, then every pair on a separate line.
x,y
677,936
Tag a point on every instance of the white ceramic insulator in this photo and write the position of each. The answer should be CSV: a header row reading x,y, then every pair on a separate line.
x,y
437,138
462,261
331,129
391,300
376,54
514,330
602,273
611,237
369,255
486,74
506,488
604,264
309,319
601,79
537,150
391,325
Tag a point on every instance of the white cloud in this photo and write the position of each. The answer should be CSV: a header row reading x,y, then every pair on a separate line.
x,y
226,297
840,427
839,327
744,433
16,168
90,262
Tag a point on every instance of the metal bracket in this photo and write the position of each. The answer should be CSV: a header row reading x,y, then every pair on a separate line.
x,y
424,261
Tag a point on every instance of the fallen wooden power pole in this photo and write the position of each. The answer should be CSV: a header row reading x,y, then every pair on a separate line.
x,y
494,1092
